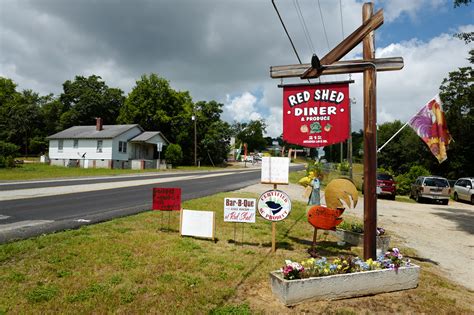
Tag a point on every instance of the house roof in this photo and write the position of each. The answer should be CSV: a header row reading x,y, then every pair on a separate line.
x,y
147,135
90,132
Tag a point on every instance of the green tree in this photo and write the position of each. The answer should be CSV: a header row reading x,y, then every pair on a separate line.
x,y
251,133
174,154
154,105
84,99
51,111
20,118
213,134
457,95
404,150
466,36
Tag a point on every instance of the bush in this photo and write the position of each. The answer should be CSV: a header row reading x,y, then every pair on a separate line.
x,y
343,167
38,145
315,167
404,181
174,154
8,149
7,153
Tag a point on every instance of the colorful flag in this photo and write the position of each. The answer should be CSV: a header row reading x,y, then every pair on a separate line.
x,y
430,124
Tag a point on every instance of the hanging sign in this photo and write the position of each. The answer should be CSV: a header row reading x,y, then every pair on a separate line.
x,y
274,205
239,210
316,115
167,199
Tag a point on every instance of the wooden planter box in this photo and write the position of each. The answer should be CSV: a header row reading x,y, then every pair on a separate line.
x,y
292,292
357,239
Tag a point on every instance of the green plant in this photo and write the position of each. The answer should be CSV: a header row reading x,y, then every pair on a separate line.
x,y
356,227
7,153
404,181
343,167
174,154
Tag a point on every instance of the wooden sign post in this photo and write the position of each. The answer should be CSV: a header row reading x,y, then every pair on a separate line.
x,y
369,65
370,141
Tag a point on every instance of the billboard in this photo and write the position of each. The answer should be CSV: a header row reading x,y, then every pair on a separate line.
x,y
316,115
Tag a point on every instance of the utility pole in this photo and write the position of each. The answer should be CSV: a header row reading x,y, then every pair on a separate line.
x,y
193,117
349,141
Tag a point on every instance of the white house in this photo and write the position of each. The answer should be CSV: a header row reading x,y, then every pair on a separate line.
x,y
107,146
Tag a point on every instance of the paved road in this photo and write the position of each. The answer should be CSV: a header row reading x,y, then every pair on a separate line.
x,y
33,208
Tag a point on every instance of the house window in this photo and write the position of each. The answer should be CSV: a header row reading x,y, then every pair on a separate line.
x,y
76,144
60,145
123,146
99,146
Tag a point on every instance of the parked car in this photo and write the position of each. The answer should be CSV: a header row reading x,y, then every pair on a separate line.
x,y
386,186
464,189
434,188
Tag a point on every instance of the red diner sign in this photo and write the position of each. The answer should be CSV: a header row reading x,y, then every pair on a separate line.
x,y
166,199
316,115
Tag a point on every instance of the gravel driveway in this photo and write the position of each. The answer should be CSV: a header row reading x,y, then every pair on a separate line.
x,y
443,235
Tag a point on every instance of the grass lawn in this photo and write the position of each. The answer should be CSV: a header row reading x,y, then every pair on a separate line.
x,y
135,265
42,171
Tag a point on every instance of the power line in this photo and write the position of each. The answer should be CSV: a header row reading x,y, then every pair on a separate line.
x,y
342,28
342,21
303,25
286,31
324,26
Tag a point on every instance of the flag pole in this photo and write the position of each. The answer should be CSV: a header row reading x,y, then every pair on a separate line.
x,y
396,133
391,138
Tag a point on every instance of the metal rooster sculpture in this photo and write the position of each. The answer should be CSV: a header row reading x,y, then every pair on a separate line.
x,y
339,193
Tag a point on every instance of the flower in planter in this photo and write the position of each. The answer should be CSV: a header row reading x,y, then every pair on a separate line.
x,y
358,227
393,259
323,267
292,270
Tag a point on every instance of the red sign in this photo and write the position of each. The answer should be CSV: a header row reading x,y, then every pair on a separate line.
x,y
316,115
166,199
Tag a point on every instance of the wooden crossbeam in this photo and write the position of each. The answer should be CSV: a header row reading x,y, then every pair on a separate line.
x,y
339,67
348,43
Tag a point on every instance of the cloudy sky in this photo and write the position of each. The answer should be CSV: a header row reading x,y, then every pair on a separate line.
x,y
222,50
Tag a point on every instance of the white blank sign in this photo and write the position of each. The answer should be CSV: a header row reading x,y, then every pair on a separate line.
x,y
275,170
197,223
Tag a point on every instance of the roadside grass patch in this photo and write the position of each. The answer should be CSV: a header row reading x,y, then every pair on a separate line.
x,y
136,265
30,171
42,293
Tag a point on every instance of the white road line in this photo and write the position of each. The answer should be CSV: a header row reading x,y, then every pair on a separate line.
x,y
61,190
9,183
3,217
22,224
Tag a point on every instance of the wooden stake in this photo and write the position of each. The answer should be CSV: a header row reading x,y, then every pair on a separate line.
x,y
169,220
312,251
370,142
274,229
273,236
